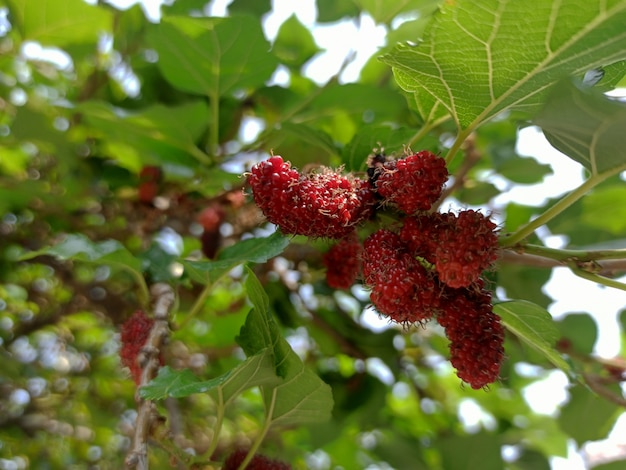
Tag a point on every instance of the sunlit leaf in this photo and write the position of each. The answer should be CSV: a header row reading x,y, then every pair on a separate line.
x,y
212,56
586,126
78,247
534,326
481,59
60,22
159,134
294,43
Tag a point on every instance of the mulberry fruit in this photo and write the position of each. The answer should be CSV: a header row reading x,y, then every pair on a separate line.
x,y
258,462
476,335
460,246
402,288
134,334
413,183
324,204
343,262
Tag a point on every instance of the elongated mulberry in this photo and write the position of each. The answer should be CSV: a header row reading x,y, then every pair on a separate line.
x,y
322,204
133,335
476,335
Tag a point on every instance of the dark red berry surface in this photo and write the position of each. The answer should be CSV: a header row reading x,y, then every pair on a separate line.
x,y
413,183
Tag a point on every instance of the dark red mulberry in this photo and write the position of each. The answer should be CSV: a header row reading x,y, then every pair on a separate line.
x,y
322,204
133,335
402,288
476,335
343,262
413,183
258,462
460,246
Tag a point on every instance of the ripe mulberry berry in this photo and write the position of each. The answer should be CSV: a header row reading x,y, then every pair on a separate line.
x,y
343,262
402,288
133,335
413,183
476,335
460,247
465,245
258,462
324,204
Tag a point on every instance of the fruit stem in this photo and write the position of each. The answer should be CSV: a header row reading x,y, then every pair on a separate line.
x,y
458,143
259,439
551,212
579,256
219,420
591,276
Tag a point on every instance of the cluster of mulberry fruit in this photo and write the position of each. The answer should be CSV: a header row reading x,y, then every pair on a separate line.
x,y
427,266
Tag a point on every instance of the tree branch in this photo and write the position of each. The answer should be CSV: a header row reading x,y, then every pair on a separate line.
x,y
149,359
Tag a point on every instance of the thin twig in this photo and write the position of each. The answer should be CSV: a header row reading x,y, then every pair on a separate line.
x,y
147,415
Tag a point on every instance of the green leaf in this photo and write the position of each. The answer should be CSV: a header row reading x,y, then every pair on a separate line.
x,y
471,452
255,371
158,134
60,23
256,250
294,44
586,126
587,417
580,330
524,170
301,396
329,11
534,326
256,293
212,56
481,58
80,248
383,11
254,7
606,200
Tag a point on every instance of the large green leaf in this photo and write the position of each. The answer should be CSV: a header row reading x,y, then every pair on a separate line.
x,y
80,248
586,126
157,134
60,23
470,452
301,396
480,58
587,417
383,11
254,371
294,43
254,250
212,56
534,326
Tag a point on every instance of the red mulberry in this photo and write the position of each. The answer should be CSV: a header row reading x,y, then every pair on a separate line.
x,y
460,246
134,334
258,462
324,204
343,262
413,183
476,335
402,288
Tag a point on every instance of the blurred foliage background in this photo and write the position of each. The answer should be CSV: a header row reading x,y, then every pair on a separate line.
x,y
124,141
